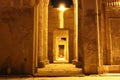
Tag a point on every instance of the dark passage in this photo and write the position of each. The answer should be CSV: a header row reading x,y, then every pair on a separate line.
x,y
61,51
56,3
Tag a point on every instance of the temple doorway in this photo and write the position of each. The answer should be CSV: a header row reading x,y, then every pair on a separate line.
x,y
60,46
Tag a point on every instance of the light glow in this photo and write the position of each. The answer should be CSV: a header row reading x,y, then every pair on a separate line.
x,y
119,3
61,15
62,7
61,19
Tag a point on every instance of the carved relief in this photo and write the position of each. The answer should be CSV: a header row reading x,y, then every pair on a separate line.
x,y
113,34
116,50
115,38
115,27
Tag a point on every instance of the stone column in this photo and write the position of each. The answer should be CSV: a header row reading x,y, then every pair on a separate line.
x,y
90,37
45,31
36,35
35,40
40,35
75,56
80,63
101,20
61,17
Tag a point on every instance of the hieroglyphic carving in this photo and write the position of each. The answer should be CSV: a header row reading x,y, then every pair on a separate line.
x,y
113,34
114,13
112,3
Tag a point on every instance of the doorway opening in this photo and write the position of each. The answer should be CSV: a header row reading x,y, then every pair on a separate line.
x,y
61,55
61,52
60,46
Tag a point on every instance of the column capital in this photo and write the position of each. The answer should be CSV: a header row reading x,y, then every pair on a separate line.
x,y
46,3
75,2
38,2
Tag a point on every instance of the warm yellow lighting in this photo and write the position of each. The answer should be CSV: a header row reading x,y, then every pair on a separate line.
x,y
61,15
61,19
62,8
119,3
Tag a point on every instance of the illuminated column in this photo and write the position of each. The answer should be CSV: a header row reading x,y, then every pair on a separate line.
x,y
45,31
35,40
118,3
37,56
75,31
40,35
61,16
61,19
98,37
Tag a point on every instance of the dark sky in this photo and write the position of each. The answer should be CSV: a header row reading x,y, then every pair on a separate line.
x,y
56,3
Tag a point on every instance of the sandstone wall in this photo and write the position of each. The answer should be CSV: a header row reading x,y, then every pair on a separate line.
x,y
16,37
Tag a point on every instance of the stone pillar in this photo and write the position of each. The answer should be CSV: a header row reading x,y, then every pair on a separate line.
x,y
101,28
89,36
45,31
61,19
75,56
35,40
80,58
40,35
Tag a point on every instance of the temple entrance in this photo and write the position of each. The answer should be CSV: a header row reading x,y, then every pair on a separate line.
x,y
60,46
56,41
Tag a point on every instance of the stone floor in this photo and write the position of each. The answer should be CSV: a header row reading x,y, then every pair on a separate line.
x,y
59,70
63,78
63,70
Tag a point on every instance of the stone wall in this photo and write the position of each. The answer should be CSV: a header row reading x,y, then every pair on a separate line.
x,y
111,57
16,37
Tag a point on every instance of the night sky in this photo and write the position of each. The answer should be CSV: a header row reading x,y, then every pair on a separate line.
x,y
56,3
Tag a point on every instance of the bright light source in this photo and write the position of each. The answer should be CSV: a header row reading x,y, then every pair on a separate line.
x,y
119,3
62,8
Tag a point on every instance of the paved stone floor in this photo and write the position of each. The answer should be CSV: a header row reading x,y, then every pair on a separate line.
x,y
60,70
64,70
63,78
